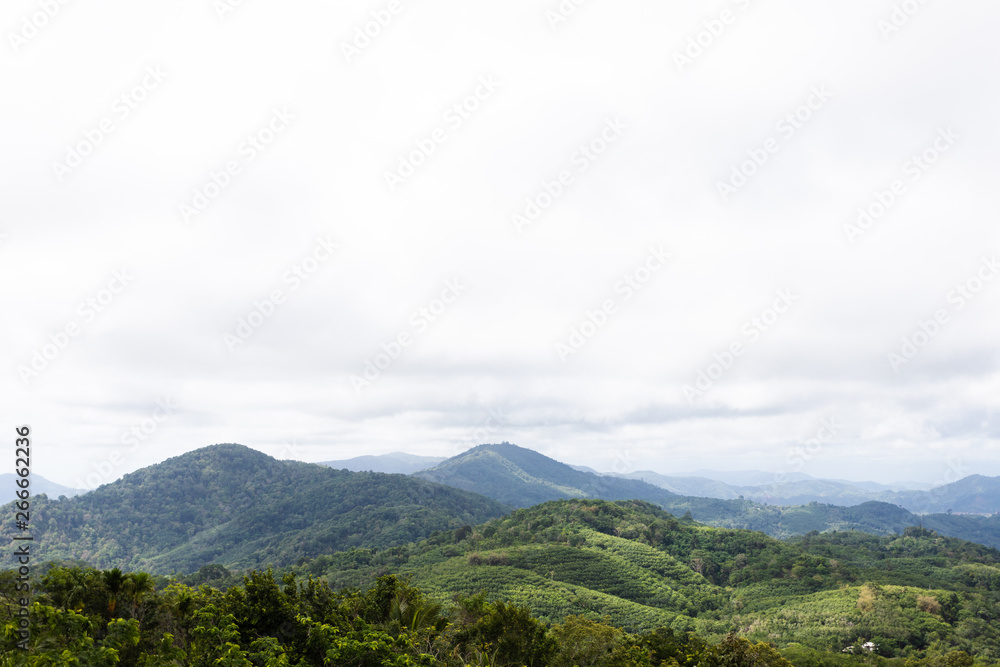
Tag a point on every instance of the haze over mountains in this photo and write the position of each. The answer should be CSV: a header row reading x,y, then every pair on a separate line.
x,y
974,494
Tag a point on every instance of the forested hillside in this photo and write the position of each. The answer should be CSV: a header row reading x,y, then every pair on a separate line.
x,y
235,506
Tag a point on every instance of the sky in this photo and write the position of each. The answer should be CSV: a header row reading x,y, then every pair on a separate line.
x,y
636,235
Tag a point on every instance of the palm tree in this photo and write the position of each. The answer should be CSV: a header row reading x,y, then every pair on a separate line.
x,y
135,587
114,580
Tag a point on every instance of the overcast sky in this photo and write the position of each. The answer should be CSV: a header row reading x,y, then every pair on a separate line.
x,y
624,234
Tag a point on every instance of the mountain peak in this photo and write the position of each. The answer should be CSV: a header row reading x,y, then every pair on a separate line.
x,y
523,477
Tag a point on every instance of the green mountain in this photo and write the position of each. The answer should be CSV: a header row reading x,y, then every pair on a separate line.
x,y
396,462
235,506
522,477
644,568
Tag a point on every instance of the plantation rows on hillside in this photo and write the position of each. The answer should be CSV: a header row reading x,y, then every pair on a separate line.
x,y
642,568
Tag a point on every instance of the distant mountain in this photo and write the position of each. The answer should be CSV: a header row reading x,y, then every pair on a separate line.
x,y
396,462
39,485
814,491
687,486
975,494
238,507
523,477
747,477
876,518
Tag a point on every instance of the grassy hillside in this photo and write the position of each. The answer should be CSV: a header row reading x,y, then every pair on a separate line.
x,y
235,506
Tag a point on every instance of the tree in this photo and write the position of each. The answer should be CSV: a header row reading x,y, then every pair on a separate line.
x,y
736,651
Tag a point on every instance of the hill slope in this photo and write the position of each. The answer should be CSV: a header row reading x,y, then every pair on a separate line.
x,y
235,506
522,477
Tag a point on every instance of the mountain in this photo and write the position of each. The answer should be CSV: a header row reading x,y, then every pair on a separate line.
x,y
747,477
643,568
39,485
238,507
523,477
396,462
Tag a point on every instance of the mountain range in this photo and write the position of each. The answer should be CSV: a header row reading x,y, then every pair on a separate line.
x,y
975,494
233,505
522,478
238,507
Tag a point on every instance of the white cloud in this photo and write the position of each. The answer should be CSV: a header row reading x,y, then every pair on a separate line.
x,y
494,347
